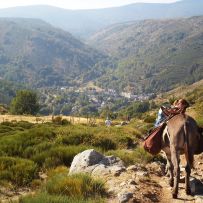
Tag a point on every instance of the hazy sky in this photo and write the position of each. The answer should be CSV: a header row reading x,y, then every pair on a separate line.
x,y
76,4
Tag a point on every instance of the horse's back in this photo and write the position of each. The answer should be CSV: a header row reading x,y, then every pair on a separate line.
x,y
181,126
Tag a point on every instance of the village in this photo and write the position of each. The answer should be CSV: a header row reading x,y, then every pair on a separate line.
x,y
83,101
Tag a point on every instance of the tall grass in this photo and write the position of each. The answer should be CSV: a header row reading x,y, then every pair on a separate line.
x,y
76,186
61,188
47,198
139,155
18,171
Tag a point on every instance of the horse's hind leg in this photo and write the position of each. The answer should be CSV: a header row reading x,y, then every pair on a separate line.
x,y
170,171
175,160
187,177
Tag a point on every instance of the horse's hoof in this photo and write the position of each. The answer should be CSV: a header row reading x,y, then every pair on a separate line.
x,y
175,196
171,183
188,191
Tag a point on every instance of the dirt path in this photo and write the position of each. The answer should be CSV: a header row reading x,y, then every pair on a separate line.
x,y
196,177
166,195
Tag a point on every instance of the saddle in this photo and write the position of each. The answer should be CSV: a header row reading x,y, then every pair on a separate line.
x,y
152,142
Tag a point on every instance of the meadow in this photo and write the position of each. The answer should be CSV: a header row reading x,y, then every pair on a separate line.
x,y
28,149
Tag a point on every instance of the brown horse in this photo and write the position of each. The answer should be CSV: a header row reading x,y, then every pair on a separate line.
x,y
181,136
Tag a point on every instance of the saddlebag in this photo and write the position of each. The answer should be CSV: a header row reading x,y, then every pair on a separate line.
x,y
152,142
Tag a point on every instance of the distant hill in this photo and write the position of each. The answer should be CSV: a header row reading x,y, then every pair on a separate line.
x,y
83,23
152,55
36,54
7,91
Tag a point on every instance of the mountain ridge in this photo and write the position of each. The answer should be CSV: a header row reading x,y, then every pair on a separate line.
x,y
83,23
152,55
37,54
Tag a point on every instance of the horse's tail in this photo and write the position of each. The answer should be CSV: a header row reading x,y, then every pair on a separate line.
x,y
188,154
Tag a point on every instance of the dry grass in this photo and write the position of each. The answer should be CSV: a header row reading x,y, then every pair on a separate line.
x,y
44,119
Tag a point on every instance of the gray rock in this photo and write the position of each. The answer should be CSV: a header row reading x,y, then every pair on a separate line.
x,y
91,161
196,186
142,173
124,197
111,160
83,161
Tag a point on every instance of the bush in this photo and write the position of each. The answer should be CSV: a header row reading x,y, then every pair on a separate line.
x,y
47,198
77,138
58,155
127,157
17,144
141,156
104,143
18,171
65,122
79,186
57,120
149,119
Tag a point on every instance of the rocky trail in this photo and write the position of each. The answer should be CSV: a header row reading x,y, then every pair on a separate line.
x,y
136,183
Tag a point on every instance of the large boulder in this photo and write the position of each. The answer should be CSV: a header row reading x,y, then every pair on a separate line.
x,y
93,162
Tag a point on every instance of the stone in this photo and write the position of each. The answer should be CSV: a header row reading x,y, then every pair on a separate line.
x,y
196,186
122,184
157,167
84,160
137,167
94,163
125,197
132,182
142,173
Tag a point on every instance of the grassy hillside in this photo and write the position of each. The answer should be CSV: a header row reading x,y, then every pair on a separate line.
x,y
28,150
152,55
36,54
193,93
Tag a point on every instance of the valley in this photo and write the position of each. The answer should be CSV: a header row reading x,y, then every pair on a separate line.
x,y
81,89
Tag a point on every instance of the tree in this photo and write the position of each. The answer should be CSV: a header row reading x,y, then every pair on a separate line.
x,y
25,102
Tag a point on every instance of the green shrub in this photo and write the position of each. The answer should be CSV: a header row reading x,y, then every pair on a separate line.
x,y
77,138
65,122
47,198
16,144
149,119
126,156
141,156
5,128
18,171
57,120
58,155
79,186
104,143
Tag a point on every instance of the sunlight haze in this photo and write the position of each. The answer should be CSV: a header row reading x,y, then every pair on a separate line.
x,y
78,4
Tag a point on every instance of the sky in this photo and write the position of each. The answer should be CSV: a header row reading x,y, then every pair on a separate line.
x,y
76,4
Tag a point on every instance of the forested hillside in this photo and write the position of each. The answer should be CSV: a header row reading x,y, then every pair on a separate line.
x,y
152,55
36,54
